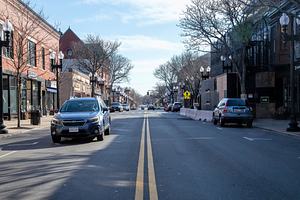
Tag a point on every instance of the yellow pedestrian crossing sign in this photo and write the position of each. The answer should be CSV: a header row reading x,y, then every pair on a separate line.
x,y
186,95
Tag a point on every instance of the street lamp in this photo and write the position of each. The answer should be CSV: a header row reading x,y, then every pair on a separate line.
x,y
101,83
226,67
93,81
207,71
7,28
113,90
284,21
57,67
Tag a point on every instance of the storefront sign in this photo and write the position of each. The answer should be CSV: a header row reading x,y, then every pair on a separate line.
x,y
76,86
264,99
31,74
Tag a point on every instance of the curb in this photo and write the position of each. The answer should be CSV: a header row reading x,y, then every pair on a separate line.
x,y
284,133
21,132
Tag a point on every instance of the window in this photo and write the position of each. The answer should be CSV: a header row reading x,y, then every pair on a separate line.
x,y
69,52
7,51
43,58
31,53
50,67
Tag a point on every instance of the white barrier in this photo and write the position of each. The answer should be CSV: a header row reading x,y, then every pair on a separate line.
x,y
183,112
204,115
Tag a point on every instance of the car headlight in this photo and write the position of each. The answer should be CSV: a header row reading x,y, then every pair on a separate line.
x,y
55,121
95,119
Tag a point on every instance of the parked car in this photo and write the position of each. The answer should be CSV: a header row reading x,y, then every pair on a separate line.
x,y
81,118
151,107
176,106
125,107
143,107
168,107
233,110
133,108
116,107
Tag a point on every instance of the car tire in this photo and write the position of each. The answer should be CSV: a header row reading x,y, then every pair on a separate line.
x,y
107,131
221,121
56,139
215,121
101,137
249,124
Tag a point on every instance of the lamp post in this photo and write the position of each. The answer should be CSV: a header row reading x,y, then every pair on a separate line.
x,y
113,90
207,71
93,78
101,83
284,21
57,67
226,67
7,28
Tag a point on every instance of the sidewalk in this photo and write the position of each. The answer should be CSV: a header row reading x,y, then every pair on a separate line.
x,y
278,126
26,126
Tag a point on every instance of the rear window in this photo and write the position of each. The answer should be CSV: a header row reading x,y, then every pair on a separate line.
x,y
115,104
236,102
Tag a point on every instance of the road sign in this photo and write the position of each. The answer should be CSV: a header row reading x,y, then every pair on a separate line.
x,y
186,95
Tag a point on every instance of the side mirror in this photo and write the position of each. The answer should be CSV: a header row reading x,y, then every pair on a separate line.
x,y
105,109
215,106
56,110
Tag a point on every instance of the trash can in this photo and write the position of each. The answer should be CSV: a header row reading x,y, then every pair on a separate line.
x,y
35,117
24,115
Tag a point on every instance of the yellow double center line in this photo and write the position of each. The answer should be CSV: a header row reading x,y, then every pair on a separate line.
x,y
139,189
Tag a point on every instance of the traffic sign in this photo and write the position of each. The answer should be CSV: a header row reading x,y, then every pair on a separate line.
x,y
186,95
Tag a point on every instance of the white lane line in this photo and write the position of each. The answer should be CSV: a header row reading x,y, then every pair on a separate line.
x,y
13,145
248,139
8,154
219,128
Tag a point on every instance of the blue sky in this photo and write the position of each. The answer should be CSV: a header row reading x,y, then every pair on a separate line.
x,y
146,28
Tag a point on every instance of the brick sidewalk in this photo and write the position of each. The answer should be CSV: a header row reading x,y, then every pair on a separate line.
x,y
26,126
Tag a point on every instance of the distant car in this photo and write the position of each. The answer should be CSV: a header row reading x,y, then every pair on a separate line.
x,y
168,107
125,107
151,107
233,110
81,118
143,107
176,106
116,107
133,108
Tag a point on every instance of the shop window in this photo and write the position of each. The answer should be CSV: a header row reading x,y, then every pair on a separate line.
x,y
43,58
13,94
5,94
7,51
31,53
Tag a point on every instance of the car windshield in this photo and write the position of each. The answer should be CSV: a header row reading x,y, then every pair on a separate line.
x,y
115,104
80,106
236,102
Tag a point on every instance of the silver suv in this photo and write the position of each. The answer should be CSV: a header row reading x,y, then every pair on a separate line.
x,y
83,118
233,110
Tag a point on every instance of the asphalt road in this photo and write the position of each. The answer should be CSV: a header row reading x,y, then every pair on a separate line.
x,y
153,155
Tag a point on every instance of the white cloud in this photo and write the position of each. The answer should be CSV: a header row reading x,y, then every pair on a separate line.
x,y
140,42
95,18
146,65
145,11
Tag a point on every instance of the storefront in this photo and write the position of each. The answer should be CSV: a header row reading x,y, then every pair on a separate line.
x,y
51,97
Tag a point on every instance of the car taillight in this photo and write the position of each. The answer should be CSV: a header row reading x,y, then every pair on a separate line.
x,y
250,108
225,108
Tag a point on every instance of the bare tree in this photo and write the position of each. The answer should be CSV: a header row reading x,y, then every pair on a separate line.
x,y
222,25
119,68
27,24
167,74
159,91
94,54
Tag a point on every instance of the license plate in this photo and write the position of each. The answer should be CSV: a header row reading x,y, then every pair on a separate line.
x,y
73,129
238,110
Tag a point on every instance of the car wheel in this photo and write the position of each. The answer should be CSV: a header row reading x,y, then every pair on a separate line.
x,y
101,137
249,124
107,131
215,121
56,139
221,121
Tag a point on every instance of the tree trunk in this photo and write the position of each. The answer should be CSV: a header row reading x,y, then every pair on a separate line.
x,y
243,75
19,98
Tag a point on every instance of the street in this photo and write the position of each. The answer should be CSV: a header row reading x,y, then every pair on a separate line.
x,y
153,155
